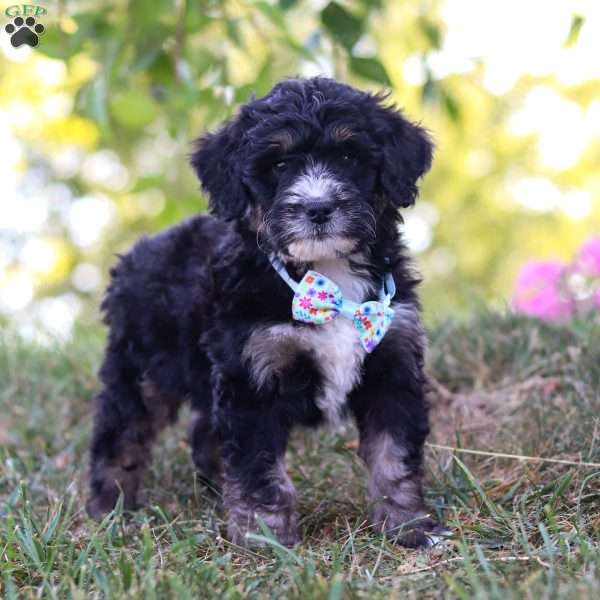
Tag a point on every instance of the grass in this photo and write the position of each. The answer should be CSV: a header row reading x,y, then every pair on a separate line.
x,y
521,529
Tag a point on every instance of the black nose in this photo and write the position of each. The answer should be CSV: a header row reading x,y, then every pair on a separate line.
x,y
319,212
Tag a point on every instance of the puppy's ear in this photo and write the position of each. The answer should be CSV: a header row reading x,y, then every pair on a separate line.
x,y
218,159
406,156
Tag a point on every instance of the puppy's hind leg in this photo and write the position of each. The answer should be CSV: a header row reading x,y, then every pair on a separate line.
x,y
128,415
118,454
206,448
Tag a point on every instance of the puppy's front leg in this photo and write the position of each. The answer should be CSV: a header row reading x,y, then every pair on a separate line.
x,y
392,418
255,482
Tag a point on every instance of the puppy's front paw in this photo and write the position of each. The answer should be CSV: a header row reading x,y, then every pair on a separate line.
x,y
107,483
101,503
410,529
282,522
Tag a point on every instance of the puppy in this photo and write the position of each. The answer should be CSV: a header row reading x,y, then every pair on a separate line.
x,y
305,187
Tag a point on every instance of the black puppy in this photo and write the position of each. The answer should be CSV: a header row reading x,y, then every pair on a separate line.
x,y
309,178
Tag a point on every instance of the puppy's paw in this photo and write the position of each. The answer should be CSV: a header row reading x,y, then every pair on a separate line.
x,y
105,490
413,530
424,534
99,505
282,523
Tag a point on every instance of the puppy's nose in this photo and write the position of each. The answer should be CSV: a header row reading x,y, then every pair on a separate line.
x,y
319,212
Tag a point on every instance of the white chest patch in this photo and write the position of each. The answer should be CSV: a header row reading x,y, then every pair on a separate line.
x,y
353,286
335,346
339,354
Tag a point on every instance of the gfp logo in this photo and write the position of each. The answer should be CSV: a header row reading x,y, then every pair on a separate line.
x,y
24,29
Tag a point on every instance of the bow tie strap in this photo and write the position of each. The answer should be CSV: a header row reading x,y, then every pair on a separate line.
x,y
388,290
282,272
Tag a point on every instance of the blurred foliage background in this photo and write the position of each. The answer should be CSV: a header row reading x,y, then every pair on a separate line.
x,y
96,124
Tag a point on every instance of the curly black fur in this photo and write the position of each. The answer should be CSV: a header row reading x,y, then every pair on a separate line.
x,y
314,172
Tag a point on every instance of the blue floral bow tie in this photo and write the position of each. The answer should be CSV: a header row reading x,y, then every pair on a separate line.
x,y
319,300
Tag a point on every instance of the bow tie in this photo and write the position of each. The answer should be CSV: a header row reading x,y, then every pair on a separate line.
x,y
319,300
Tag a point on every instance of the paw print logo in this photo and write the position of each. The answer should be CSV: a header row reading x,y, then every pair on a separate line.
x,y
24,31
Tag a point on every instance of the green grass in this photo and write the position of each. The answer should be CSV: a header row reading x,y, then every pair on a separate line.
x,y
521,530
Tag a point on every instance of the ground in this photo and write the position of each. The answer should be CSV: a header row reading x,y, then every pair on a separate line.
x,y
521,529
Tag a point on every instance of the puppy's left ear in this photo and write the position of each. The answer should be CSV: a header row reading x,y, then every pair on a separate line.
x,y
406,156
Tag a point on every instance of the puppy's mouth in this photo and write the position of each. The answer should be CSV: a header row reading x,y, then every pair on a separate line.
x,y
320,246
322,232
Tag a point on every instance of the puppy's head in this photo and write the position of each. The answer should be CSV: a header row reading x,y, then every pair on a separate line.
x,y
312,167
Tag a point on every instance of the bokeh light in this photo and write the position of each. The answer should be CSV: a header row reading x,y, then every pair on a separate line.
x,y
94,144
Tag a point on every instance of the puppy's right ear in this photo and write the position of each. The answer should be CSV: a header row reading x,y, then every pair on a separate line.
x,y
218,159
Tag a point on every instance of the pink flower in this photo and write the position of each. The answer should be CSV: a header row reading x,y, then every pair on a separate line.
x,y
588,258
538,292
305,302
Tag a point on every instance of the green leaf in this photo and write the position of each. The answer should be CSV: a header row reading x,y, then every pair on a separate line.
x,y
133,109
273,13
196,17
286,4
91,101
451,106
142,17
431,31
201,60
58,44
373,4
144,58
577,22
344,27
370,68
233,32
161,70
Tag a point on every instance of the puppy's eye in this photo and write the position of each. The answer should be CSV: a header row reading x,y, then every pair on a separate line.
x,y
279,166
347,156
